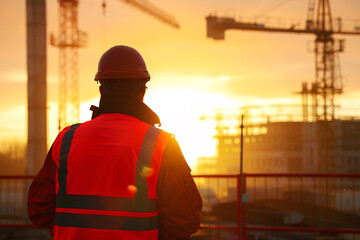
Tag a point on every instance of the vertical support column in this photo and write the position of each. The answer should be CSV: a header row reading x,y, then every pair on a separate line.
x,y
36,84
240,181
241,206
305,104
239,202
243,202
327,85
220,137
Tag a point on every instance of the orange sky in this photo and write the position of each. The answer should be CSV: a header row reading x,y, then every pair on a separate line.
x,y
191,74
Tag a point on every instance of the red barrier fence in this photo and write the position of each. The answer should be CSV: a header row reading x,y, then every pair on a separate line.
x,y
283,206
277,206
13,201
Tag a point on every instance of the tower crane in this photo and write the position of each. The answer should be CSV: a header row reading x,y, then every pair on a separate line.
x,y
69,40
328,81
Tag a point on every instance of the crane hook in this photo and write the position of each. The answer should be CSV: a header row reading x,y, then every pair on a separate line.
x,y
104,7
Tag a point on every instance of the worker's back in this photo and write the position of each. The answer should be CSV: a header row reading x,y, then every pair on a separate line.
x,y
117,176
107,175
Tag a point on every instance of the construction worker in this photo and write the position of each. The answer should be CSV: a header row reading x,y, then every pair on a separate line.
x,y
116,176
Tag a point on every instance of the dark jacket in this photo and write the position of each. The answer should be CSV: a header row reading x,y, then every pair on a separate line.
x,y
179,202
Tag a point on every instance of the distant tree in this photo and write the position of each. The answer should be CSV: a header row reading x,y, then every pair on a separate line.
x,y
12,157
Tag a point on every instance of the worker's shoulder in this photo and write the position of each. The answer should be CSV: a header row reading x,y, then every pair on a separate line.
x,y
162,137
65,129
163,131
172,150
174,159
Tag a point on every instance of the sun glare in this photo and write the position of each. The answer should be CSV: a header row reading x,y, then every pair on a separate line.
x,y
180,111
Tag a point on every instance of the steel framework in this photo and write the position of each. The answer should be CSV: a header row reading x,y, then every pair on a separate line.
x,y
328,82
69,41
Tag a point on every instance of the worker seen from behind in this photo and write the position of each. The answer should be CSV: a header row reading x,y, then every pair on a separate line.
x,y
116,176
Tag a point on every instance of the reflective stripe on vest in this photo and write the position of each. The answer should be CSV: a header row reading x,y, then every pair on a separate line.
x,y
100,212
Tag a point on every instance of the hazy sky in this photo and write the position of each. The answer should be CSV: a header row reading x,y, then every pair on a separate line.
x,y
191,74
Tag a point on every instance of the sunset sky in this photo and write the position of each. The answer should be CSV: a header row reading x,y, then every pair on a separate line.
x,y
190,74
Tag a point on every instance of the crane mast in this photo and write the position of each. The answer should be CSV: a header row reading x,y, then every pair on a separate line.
x,y
69,40
326,81
310,15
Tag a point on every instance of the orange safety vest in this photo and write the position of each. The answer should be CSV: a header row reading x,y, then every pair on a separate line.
x,y
107,171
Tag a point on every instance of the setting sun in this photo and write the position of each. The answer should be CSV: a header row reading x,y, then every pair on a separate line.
x,y
179,111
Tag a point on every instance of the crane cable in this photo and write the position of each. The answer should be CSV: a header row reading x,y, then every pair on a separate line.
x,y
271,7
103,5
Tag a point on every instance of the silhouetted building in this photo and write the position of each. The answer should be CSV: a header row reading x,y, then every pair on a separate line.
x,y
286,146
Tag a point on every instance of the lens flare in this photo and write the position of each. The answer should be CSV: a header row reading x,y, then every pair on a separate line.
x,y
132,189
147,172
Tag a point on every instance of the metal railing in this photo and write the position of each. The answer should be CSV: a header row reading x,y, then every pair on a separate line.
x,y
218,192
13,201
285,206
277,206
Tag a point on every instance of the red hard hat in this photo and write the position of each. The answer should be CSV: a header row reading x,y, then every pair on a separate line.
x,y
121,62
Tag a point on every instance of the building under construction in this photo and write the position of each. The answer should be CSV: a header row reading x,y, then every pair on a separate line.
x,y
280,141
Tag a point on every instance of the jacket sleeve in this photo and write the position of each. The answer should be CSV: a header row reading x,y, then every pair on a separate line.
x,y
179,201
42,196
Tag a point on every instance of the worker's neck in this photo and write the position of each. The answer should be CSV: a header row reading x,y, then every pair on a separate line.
x,y
127,105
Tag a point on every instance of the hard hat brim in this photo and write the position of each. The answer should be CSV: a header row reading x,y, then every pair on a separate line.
x,y
121,75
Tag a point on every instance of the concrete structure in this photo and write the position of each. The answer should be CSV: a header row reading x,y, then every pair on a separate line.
x,y
36,84
290,146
